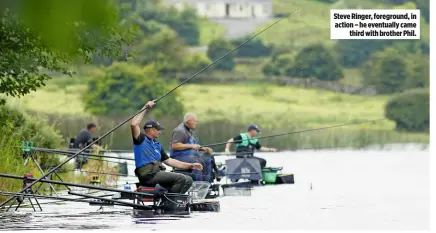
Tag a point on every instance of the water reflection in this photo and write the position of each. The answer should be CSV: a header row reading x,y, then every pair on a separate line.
x,y
351,190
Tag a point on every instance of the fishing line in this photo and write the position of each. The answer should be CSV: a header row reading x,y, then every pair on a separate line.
x,y
300,131
157,100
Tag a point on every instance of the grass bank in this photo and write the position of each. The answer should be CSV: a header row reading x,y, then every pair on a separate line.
x,y
18,126
225,110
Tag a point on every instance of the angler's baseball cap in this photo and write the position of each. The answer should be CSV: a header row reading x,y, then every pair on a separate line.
x,y
253,127
153,124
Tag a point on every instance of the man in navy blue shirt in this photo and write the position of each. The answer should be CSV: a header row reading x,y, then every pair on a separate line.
x,y
149,154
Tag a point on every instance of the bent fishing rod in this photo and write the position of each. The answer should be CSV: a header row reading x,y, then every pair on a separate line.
x,y
299,131
143,109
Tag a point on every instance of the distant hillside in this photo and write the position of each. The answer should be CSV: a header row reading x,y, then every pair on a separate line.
x,y
311,23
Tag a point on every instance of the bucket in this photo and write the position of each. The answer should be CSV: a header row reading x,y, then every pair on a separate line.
x,y
269,175
175,202
199,190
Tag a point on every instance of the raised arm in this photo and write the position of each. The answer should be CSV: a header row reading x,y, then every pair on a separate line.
x,y
136,121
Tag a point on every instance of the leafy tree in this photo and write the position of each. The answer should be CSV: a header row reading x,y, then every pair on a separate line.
x,y
49,35
420,72
279,65
410,110
196,62
184,22
353,53
424,6
315,61
253,48
386,71
165,49
126,88
218,48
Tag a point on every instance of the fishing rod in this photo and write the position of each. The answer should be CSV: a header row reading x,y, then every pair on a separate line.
x,y
295,132
63,152
75,185
95,159
25,195
103,150
60,199
143,109
100,173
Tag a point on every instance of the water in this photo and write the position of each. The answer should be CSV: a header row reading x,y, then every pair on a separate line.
x,y
332,190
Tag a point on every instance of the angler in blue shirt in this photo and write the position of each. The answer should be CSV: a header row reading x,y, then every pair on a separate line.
x,y
149,154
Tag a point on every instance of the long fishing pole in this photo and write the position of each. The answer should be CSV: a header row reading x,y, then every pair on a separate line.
x,y
63,152
157,100
295,132
90,157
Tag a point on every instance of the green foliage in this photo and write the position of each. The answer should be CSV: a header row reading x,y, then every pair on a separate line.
x,y
253,48
352,53
196,62
50,34
279,65
420,72
165,49
327,1
424,6
18,126
410,110
184,22
315,61
386,71
126,88
218,48
395,2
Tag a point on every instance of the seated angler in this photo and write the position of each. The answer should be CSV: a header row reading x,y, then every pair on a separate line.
x,y
185,147
246,143
149,154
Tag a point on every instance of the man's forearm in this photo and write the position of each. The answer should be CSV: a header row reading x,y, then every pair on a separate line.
x,y
181,146
138,118
229,144
178,164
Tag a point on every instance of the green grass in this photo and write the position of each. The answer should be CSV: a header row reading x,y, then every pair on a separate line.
x,y
276,108
272,103
210,31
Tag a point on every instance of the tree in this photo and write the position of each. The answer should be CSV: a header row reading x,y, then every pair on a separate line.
x,y
410,110
420,72
353,53
165,49
386,71
253,48
315,61
126,88
279,65
196,62
50,34
218,48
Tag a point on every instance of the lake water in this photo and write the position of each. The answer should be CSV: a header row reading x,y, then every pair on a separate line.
x,y
367,190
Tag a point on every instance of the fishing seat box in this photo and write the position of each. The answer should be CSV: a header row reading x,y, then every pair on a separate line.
x,y
145,189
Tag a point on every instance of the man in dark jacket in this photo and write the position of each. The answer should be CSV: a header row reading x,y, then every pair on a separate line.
x,y
246,143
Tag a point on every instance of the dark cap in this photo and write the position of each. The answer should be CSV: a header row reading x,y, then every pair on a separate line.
x,y
253,127
153,124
